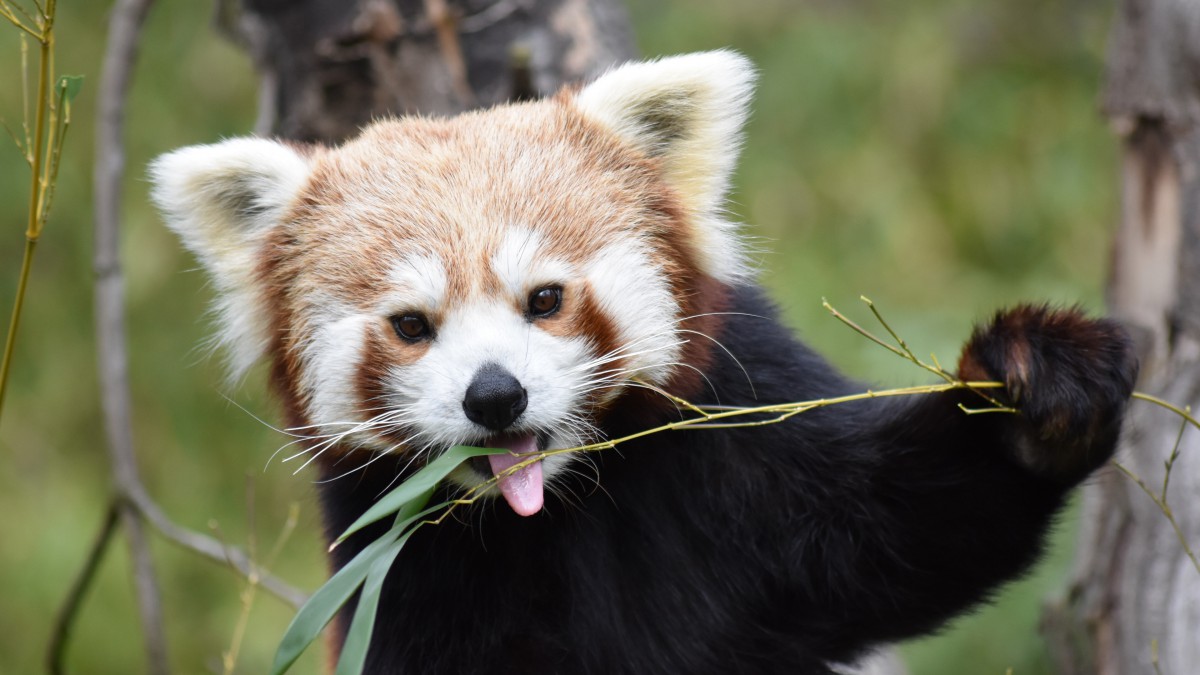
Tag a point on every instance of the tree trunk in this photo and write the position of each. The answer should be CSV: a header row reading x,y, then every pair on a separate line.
x,y
1133,605
328,67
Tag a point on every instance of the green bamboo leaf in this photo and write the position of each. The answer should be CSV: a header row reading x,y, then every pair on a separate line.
x,y
406,501
70,85
412,510
329,598
358,638
417,484
325,603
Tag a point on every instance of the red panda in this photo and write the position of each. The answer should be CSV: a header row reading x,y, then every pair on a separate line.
x,y
537,276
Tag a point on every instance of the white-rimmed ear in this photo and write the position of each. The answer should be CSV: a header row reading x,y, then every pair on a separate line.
x,y
689,111
222,200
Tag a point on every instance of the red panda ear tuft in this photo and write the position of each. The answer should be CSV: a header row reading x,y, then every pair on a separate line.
x,y
223,200
689,111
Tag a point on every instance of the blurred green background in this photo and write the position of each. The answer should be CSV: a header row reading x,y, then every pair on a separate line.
x,y
943,157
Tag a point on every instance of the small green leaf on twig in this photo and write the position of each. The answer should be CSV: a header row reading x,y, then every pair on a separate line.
x,y
70,85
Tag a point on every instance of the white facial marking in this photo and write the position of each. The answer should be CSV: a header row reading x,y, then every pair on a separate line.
x,y
633,292
331,359
417,281
520,266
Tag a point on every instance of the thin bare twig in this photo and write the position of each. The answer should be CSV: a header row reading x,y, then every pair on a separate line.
x,y
133,506
145,583
215,550
66,615
1165,508
1169,465
143,511
124,35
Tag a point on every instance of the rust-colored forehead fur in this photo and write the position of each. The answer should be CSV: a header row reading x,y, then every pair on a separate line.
x,y
455,187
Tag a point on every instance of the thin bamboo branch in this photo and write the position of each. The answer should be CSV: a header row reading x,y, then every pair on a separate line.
x,y
6,13
14,322
22,11
705,420
255,580
901,349
1185,413
33,223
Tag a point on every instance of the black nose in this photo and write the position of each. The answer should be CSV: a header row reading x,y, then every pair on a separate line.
x,y
495,398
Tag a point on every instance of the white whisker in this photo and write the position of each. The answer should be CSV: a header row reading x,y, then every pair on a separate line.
x,y
726,350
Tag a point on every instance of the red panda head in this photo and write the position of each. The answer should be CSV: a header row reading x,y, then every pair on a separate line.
x,y
496,278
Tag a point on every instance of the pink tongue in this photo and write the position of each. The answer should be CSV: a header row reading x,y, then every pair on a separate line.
x,y
522,489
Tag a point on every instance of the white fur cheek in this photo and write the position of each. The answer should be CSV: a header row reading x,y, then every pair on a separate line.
x,y
631,290
331,362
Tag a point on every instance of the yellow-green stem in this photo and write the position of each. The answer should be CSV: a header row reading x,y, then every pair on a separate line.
x,y
1184,413
39,132
782,410
36,188
26,263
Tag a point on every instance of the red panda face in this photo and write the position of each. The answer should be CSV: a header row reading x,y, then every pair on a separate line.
x,y
498,278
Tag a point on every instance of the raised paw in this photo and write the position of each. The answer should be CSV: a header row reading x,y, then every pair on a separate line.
x,y
1069,376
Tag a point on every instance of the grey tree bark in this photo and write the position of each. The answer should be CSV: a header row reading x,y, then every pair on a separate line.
x,y
1133,605
328,67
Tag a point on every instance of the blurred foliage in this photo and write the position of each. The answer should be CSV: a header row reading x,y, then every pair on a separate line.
x,y
943,157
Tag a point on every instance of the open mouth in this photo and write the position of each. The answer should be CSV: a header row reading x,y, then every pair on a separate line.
x,y
523,488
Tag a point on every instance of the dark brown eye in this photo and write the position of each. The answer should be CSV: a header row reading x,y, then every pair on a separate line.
x,y
411,327
545,301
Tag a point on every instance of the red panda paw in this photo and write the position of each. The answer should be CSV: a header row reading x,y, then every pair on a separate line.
x,y
1069,376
